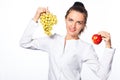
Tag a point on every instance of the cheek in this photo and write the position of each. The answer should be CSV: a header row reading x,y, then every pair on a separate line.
x,y
68,25
79,28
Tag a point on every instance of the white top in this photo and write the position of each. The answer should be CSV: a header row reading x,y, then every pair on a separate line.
x,y
65,61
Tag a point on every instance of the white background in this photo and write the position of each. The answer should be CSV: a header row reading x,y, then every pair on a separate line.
x,y
17,63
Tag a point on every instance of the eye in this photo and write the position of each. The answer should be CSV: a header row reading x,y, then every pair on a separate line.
x,y
80,22
70,19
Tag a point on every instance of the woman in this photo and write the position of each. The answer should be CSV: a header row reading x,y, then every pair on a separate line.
x,y
67,54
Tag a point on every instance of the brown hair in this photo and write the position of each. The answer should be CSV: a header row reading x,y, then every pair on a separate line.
x,y
78,6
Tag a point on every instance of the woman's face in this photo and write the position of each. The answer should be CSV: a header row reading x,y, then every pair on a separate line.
x,y
75,22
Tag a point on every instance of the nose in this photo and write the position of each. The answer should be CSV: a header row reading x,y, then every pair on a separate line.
x,y
73,25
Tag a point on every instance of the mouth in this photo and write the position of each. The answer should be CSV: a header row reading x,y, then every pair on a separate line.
x,y
72,30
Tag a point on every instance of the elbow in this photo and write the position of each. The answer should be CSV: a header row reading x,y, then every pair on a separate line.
x,y
22,44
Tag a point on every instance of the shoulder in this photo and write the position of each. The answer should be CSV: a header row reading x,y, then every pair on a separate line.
x,y
86,46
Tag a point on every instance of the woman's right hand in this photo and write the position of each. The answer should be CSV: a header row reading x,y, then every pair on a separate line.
x,y
38,13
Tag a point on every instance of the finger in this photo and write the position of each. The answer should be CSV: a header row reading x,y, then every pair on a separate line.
x,y
104,34
47,10
43,10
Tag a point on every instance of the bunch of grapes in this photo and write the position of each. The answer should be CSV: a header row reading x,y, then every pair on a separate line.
x,y
48,20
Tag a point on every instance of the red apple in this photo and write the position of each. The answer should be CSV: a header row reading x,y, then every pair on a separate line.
x,y
96,38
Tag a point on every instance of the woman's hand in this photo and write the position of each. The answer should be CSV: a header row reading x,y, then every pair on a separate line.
x,y
106,37
38,13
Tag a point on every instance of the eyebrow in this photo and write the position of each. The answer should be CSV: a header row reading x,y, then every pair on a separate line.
x,y
80,21
77,21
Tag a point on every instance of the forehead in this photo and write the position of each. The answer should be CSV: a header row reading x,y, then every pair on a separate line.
x,y
76,15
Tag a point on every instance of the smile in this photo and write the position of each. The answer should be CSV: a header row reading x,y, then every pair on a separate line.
x,y
72,30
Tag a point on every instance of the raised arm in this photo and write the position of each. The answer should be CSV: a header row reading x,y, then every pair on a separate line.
x,y
100,66
27,41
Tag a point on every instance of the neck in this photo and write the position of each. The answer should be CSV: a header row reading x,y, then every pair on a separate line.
x,y
69,37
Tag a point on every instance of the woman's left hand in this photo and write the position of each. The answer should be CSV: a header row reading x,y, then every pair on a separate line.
x,y
106,37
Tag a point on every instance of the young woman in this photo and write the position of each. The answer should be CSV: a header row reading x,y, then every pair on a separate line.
x,y
67,54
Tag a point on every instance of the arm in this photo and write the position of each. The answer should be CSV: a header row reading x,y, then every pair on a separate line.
x,y
100,67
27,41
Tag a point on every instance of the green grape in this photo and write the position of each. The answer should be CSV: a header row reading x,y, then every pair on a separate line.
x,y
48,20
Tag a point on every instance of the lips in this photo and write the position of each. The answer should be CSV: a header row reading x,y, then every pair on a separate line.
x,y
72,30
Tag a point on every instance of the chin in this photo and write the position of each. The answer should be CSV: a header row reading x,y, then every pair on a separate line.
x,y
72,33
